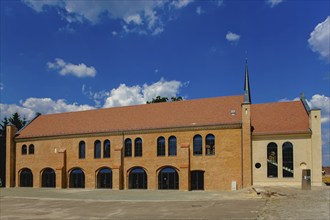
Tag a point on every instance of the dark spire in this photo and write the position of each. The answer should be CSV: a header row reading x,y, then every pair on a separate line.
x,y
247,94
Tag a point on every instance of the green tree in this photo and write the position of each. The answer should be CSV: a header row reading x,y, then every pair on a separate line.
x,y
164,99
16,120
174,99
3,125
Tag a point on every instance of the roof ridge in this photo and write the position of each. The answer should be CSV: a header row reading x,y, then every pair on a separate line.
x,y
138,105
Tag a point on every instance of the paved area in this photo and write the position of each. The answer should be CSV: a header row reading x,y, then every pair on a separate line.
x,y
271,203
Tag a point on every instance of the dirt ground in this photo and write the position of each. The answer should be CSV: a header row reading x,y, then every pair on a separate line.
x,y
257,203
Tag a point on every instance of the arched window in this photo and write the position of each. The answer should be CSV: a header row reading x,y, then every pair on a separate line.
x,y
138,179
26,178
161,146
24,150
82,149
31,149
138,147
48,178
97,149
209,144
104,178
128,147
287,157
168,178
198,145
172,146
272,165
106,149
77,178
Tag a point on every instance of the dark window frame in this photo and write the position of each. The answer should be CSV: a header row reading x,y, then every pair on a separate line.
x,y
210,145
272,160
24,149
106,149
161,146
31,149
97,149
138,146
198,145
82,150
172,146
128,148
287,160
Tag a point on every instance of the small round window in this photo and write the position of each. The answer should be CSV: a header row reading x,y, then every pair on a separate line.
x,y
257,165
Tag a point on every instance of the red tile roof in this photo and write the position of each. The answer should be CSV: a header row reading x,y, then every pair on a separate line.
x,y
190,113
279,118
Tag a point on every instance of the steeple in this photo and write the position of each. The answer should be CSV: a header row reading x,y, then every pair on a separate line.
x,y
247,94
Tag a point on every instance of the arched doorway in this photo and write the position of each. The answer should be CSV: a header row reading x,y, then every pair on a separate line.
x,y
77,178
48,178
138,179
168,178
197,180
26,178
104,178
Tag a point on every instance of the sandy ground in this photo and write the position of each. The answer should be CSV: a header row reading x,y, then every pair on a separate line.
x,y
269,203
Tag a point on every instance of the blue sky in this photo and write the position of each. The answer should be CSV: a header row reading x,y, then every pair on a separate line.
x,y
61,55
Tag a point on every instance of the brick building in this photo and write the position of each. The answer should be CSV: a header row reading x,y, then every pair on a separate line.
x,y
205,144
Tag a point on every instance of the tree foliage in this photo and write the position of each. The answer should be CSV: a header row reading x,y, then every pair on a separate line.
x,y
164,99
15,120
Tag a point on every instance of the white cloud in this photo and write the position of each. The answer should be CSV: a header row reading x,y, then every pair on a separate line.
x,y
232,37
321,102
273,3
47,105
135,19
97,97
30,106
2,86
199,10
122,96
181,3
125,95
319,40
79,70
39,6
142,16
7,110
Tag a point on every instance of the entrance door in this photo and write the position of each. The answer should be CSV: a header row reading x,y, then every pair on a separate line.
x,y
197,180
104,178
77,178
26,178
168,178
48,178
138,179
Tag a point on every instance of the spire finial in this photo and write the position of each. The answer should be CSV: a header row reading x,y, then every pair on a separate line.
x,y
247,94
246,59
